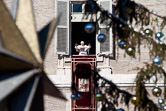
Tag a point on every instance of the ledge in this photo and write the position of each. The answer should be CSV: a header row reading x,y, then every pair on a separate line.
x,y
121,80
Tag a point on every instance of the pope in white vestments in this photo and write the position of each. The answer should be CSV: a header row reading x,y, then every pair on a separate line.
x,y
82,49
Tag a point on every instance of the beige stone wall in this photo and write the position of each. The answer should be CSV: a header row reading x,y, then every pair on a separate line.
x,y
54,104
44,11
122,65
125,65
131,106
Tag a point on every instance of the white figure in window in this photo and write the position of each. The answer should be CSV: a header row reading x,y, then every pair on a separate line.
x,y
82,49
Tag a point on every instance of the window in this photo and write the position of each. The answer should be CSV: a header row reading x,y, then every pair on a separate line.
x,y
77,8
70,29
81,7
78,34
88,8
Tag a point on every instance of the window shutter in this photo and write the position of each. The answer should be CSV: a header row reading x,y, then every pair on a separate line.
x,y
62,30
106,47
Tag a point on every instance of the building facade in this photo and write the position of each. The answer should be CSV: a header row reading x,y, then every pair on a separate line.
x,y
113,63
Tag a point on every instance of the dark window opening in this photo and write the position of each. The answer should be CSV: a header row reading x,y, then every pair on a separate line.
x,y
77,8
88,8
78,34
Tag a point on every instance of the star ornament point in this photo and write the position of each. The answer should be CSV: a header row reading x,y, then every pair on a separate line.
x,y
23,81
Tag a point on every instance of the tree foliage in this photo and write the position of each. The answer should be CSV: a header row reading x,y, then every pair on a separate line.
x,y
131,20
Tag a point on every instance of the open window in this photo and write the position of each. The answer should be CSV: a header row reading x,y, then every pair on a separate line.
x,y
81,7
78,34
77,7
70,29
